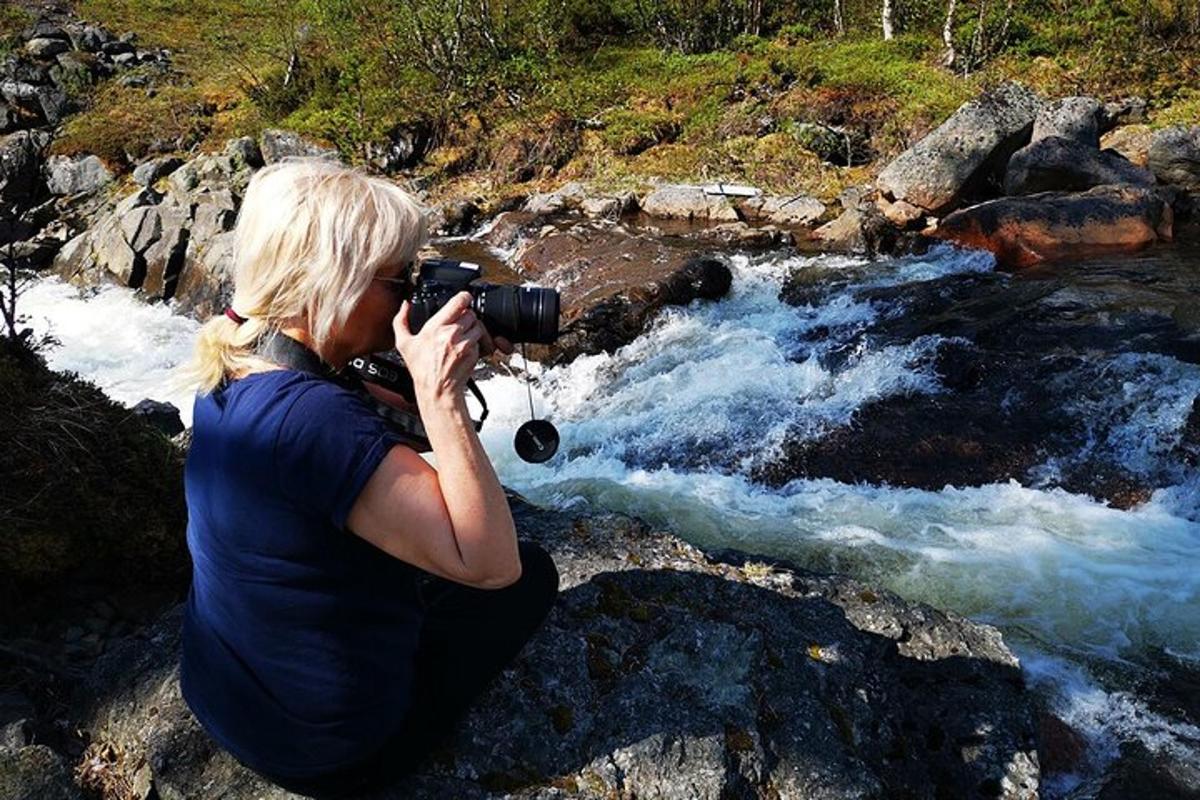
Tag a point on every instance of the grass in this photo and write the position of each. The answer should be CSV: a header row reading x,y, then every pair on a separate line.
x,y
638,112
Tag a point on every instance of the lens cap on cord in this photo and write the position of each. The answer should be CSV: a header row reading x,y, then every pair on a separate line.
x,y
536,441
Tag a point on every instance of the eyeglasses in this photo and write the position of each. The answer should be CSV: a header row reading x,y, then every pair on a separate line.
x,y
402,285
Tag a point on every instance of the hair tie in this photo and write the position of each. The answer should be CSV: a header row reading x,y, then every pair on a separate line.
x,y
233,315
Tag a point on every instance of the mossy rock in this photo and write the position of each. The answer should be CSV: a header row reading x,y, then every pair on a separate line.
x,y
91,491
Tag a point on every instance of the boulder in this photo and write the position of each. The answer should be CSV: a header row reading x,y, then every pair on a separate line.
x,y
1131,141
453,217
674,201
21,157
665,672
832,145
1074,118
277,145
1174,156
146,173
1055,163
613,281
864,230
44,104
966,152
75,174
1126,111
35,772
1023,231
163,417
46,49
796,211
205,285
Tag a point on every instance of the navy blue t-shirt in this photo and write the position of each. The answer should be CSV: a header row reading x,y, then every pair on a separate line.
x,y
298,635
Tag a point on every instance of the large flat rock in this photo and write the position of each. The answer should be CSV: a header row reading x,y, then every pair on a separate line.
x,y
665,673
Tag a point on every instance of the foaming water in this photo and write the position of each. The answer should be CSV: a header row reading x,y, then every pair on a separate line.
x,y
670,428
129,348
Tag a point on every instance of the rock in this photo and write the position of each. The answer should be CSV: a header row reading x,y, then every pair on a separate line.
x,y
277,145
1174,156
46,49
74,69
148,172
1131,141
162,416
403,147
91,38
863,230
1058,164
674,201
544,204
205,285
1023,231
832,145
45,104
741,235
613,281
665,673
900,213
1074,118
958,159
21,156
510,228
453,217
244,153
8,119
795,211
75,174
35,773
1126,111
164,256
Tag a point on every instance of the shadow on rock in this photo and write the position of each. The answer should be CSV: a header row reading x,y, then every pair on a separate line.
x,y
665,673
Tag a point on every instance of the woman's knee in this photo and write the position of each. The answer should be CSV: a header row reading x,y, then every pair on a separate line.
x,y
538,574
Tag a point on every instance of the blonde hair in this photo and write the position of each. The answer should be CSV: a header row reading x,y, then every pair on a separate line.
x,y
311,234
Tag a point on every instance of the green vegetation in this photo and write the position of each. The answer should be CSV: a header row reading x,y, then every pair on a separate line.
x,y
537,90
89,489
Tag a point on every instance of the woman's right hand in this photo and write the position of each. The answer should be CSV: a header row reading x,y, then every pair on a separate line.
x,y
441,357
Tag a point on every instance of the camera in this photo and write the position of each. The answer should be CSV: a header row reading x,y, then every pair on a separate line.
x,y
518,313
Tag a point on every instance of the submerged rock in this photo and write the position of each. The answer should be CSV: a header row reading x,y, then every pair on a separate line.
x,y
665,673
1023,231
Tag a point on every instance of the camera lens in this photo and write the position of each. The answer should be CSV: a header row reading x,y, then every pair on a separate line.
x,y
519,313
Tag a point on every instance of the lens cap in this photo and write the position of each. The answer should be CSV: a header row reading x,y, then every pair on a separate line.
x,y
536,441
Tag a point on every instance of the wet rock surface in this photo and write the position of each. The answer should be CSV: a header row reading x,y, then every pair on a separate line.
x,y
1026,359
663,672
612,280
1023,231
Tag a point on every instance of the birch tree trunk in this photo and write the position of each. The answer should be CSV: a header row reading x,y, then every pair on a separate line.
x,y
949,56
889,20
838,22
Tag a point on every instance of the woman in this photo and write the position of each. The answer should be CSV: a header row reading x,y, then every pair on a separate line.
x,y
348,601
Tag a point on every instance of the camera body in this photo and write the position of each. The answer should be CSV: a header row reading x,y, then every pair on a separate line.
x,y
517,313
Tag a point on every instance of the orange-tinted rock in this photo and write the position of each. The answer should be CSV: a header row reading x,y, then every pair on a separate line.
x,y
1023,231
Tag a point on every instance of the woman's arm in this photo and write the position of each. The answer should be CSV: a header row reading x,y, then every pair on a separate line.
x,y
453,521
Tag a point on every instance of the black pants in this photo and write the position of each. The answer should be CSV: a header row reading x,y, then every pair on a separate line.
x,y
468,637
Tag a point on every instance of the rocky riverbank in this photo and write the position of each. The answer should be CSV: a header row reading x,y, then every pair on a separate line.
x,y
666,671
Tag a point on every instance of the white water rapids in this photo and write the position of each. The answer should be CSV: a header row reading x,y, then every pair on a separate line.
x,y
668,427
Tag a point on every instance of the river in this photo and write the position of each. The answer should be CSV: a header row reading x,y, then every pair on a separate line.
x,y
674,427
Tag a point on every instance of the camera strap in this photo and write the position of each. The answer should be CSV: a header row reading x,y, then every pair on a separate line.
x,y
282,349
